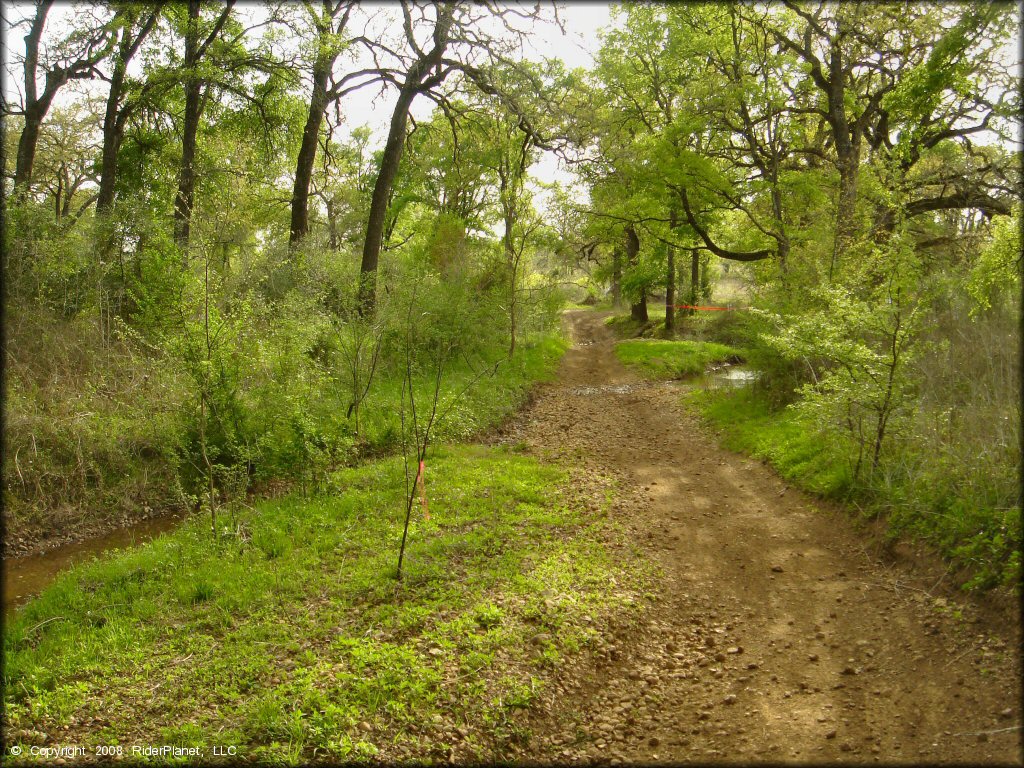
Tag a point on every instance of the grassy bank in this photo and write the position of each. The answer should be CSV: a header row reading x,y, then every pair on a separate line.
x,y
625,327
101,433
291,640
982,540
465,407
795,450
672,359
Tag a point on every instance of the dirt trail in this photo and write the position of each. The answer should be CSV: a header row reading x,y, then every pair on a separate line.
x,y
777,635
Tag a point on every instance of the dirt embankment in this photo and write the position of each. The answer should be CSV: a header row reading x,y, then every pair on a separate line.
x,y
778,633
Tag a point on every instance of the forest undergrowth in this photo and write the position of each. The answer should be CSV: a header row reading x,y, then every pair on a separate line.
x,y
105,429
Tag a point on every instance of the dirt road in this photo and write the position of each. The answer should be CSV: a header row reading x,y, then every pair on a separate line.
x,y
777,634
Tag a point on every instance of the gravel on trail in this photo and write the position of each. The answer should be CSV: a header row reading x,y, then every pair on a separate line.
x,y
777,633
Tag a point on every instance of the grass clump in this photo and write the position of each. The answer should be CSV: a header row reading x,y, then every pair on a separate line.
x,y
89,428
466,408
625,327
794,448
672,359
289,637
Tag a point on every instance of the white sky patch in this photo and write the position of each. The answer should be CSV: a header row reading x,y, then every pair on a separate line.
x,y
583,23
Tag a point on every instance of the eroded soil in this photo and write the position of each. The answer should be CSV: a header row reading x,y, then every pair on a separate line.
x,y
777,632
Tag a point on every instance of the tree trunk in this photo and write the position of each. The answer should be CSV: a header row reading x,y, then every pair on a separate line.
x,y
694,278
847,145
670,280
185,196
705,280
115,114
847,203
98,45
27,149
332,224
113,134
512,314
415,80
638,310
57,198
616,278
670,293
389,163
511,264
885,223
108,173
35,109
781,237
307,155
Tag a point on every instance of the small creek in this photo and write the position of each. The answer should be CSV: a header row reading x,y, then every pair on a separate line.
x,y
27,576
724,377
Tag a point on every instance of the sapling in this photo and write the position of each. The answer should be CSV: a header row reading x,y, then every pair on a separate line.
x,y
359,342
421,433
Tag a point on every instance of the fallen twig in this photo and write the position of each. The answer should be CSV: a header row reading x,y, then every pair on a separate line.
x,y
32,629
943,576
953,661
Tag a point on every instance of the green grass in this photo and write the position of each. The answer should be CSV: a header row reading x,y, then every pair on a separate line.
x,y
290,638
796,450
671,359
464,412
108,442
626,327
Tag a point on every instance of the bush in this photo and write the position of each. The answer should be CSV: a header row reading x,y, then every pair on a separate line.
x,y
240,375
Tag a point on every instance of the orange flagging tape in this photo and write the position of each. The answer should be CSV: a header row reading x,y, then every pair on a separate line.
x,y
421,481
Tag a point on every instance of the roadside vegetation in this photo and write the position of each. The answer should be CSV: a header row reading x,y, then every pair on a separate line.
x,y
215,295
946,469
289,637
219,291
177,338
102,433
958,491
627,327
868,227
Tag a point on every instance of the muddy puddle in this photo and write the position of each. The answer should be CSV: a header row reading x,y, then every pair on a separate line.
x,y
724,377
25,577
729,376
616,389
